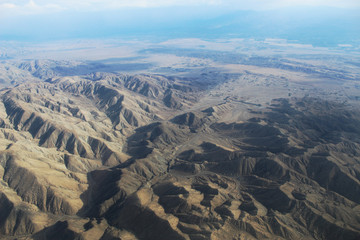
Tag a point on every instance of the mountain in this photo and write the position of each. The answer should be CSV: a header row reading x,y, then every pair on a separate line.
x,y
265,151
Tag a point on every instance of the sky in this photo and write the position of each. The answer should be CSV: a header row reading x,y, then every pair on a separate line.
x,y
23,7
35,20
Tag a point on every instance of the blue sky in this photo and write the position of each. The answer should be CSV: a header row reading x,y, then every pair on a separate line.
x,y
35,20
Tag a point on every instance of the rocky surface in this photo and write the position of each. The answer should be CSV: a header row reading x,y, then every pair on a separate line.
x,y
146,156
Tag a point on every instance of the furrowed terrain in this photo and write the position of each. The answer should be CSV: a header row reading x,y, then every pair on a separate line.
x,y
237,147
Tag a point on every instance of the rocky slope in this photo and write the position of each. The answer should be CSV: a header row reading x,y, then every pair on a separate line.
x,y
114,156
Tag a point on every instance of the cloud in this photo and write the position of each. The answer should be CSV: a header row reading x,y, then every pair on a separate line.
x,y
315,3
238,4
26,7
7,5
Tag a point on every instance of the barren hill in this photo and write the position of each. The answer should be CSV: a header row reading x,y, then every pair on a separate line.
x,y
235,155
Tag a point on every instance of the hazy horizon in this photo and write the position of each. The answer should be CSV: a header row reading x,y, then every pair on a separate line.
x,y
320,23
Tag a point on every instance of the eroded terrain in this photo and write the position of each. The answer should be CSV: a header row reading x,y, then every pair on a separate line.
x,y
257,141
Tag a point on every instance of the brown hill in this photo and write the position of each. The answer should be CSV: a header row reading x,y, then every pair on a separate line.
x,y
114,156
